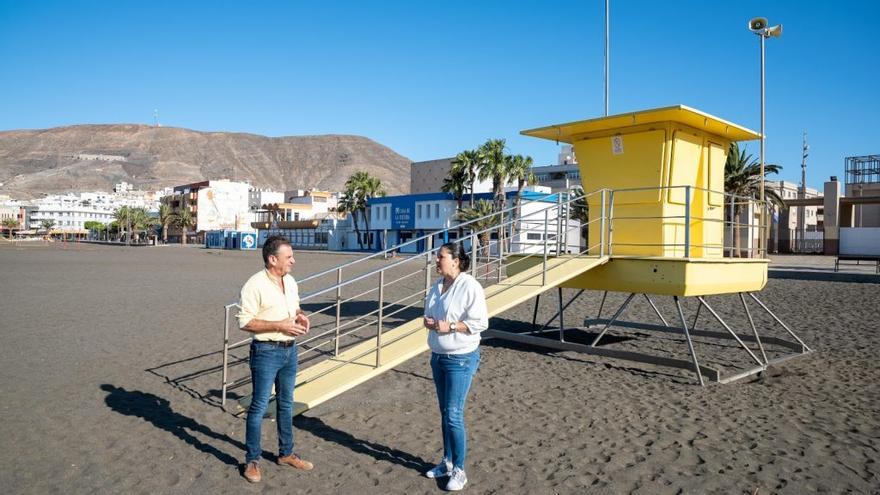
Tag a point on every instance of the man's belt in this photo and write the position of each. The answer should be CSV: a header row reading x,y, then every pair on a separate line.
x,y
279,343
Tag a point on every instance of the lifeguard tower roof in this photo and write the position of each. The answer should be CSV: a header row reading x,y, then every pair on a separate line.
x,y
572,131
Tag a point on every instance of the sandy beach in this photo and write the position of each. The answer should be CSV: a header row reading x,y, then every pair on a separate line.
x,y
111,370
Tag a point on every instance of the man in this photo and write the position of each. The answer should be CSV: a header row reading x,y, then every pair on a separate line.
x,y
270,310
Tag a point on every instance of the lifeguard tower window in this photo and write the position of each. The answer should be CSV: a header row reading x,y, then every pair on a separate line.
x,y
715,173
686,151
643,148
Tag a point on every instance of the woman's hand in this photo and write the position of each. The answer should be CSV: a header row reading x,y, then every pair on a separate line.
x,y
430,323
443,327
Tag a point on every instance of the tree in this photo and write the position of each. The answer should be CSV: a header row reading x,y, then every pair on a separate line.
x,y
167,217
494,165
141,221
519,168
122,216
47,224
742,177
9,224
359,188
467,165
484,220
184,220
348,204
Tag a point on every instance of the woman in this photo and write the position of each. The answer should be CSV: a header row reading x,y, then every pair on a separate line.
x,y
455,314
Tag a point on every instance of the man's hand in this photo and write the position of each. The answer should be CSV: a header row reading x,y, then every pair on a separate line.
x,y
303,320
430,323
290,327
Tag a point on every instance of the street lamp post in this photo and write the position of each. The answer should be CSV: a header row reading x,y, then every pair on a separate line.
x,y
758,25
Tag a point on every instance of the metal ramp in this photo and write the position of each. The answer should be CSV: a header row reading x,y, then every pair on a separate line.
x,y
328,379
359,329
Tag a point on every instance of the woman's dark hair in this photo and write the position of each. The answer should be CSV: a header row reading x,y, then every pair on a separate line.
x,y
458,252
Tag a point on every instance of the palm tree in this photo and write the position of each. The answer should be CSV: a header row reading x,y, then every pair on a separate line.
x,y
184,220
122,216
467,164
519,168
482,210
166,218
742,177
456,183
359,188
494,165
9,224
348,204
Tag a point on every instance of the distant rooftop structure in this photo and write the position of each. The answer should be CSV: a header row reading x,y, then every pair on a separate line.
x,y
863,169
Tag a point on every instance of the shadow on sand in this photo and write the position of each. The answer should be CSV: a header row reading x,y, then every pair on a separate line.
x,y
157,411
375,450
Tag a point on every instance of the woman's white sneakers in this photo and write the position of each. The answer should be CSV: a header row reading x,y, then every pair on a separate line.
x,y
457,480
440,470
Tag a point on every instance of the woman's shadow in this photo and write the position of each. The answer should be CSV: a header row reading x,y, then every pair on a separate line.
x,y
158,412
375,450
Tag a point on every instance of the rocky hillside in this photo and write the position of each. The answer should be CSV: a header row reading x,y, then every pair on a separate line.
x,y
95,157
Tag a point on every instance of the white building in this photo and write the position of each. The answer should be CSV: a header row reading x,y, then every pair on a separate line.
x,y
395,220
67,216
258,197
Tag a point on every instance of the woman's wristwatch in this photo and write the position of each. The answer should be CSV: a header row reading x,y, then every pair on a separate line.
x,y
452,326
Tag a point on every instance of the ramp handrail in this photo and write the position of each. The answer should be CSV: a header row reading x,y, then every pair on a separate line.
x,y
489,260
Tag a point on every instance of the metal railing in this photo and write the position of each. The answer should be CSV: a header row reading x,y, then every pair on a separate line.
x,y
542,228
360,284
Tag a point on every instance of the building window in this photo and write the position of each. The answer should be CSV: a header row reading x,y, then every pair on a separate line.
x,y
437,210
533,237
419,212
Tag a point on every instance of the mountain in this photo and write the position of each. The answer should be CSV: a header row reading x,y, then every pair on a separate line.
x,y
95,157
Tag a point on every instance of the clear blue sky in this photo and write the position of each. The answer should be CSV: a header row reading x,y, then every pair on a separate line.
x,y
431,78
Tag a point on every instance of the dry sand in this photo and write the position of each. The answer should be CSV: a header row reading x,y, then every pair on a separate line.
x,y
110,374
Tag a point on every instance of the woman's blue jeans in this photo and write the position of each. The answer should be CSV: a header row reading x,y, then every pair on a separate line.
x,y
453,374
271,364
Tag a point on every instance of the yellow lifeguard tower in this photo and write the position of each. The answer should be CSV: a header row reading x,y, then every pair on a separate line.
x,y
664,170
661,173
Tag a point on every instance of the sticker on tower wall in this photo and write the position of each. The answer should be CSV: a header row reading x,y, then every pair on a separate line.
x,y
617,145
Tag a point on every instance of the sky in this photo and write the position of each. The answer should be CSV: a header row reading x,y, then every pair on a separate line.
x,y
432,78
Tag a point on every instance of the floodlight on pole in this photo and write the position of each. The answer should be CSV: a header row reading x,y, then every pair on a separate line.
x,y
758,25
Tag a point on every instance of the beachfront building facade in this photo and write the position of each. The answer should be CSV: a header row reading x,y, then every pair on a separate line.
x,y
214,204
395,220
308,219
66,217
428,176
787,235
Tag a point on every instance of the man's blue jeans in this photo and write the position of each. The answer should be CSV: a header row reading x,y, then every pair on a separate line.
x,y
271,364
453,374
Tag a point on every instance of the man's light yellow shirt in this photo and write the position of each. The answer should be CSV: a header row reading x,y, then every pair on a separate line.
x,y
262,299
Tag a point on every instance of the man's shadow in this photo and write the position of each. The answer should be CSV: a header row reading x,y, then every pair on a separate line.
x,y
158,412
375,450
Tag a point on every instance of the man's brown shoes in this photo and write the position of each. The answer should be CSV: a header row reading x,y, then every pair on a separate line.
x,y
293,460
252,472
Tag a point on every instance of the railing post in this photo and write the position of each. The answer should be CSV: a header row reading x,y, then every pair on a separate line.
x,y
546,245
338,310
474,252
601,226
611,223
225,358
379,324
500,245
558,223
427,271
687,221
731,231
567,218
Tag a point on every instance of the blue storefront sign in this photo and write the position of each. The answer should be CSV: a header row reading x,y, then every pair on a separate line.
x,y
248,240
